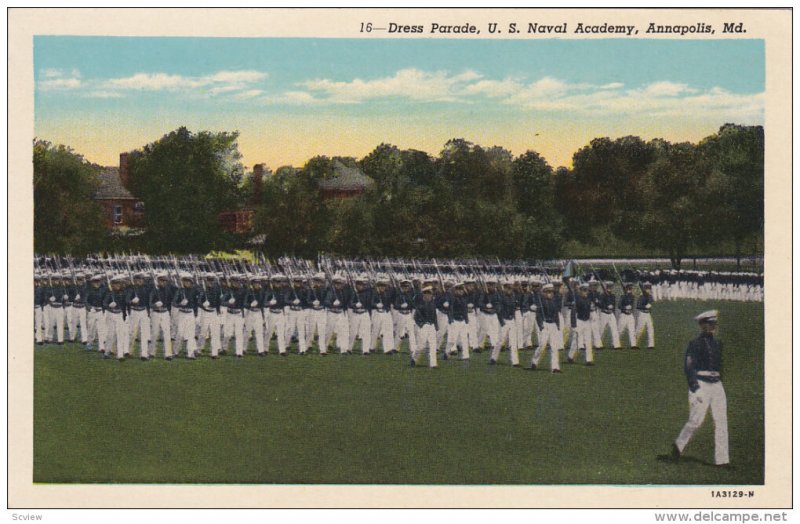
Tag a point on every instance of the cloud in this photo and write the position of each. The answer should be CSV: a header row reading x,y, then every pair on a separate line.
x,y
251,93
57,79
412,84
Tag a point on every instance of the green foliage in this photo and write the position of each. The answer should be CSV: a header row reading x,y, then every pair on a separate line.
x,y
354,420
185,180
65,218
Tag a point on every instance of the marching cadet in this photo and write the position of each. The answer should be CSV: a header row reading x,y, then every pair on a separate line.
x,y
471,295
77,311
404,306
488,323
536,295
703,367
644,322
506,309
138,297
55,297
316,315
95,314
607,319
382,326
209,299
559,294
116,312
359,315
274,303
569,303
295,314
160,302
581,326
522,302
548,318
425,319
441,296
458,322
337,303
594,295
185,302
625,322
254,314
235,303
38,309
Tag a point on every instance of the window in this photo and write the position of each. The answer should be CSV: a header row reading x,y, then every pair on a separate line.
x,y
138,207
117,214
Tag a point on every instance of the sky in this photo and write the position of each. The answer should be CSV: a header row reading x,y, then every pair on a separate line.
x,y
294,98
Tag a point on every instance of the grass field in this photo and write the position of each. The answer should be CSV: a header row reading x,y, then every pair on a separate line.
x,y
375,420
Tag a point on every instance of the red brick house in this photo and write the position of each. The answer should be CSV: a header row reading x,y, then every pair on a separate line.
x,y
241,220
121,209
347,182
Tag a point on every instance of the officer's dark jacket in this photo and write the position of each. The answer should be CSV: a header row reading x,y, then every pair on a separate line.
x,y
94,297
409,299
458,309
582,310
488,302
363,297
381,301
163,295
702,354
117,298
607,302
190,295
506,308
425,312
548,312
342,295
140,292
626,301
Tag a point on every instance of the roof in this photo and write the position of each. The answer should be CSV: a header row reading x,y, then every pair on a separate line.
x,y
111,186
346,179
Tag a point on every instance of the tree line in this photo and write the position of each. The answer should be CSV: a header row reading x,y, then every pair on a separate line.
x,y
675,199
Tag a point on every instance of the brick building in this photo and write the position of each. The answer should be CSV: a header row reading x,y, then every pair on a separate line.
x,y
121,209
347,182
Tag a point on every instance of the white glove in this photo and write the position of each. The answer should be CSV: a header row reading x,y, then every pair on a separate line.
x,y
533,308
52,299
404,305
232,301
316,303
135,300
489,305
379,304
470,305
273,302
336,302
65,297
254,303
159,304
77,296
446,303
296,301
358,304
206,303
184,302
648,306
112,305
627,307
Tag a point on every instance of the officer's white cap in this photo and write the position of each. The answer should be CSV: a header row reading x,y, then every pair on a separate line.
x,y
708,316
278,276
186,276
118,278
338,278
319,276
95,278
547,286
427,289
584,285
161,274
609,283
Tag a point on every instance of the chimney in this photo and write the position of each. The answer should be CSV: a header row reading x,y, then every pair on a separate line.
x,y
123,169
258,175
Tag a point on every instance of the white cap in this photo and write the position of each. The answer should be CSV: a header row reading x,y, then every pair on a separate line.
x,y
547,286
708,316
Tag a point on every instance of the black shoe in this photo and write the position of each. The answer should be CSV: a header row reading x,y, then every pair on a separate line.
x,y
557,371
223,352
492,362
143,359
634,347
60,343
168,359
617,348
590,363
120,359
674,455
214,357
413,364
514,365
570,360
262,354
40,343
532,367
239,356
285,354
651,347
444,355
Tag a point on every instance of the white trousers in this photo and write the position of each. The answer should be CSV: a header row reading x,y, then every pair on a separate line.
x,y
488,325
458,335
360,325
405,326
597,340
141,322
77,316
443,321
116,334
38,324
426,339
609,321
186,333
55,319
161,324
383,328
713,396
210,327
644,322
625,323
254,323
234,328
296,323
316,322
508,332
276,323
550,336
582,338
96,328
338,324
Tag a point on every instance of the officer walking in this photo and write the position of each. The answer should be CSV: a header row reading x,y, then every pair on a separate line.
x,y
703,366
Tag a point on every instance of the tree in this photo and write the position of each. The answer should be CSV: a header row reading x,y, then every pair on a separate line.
x,y
66,219
185,180
540,223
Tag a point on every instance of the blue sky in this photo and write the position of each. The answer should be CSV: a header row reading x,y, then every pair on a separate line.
x,y
294,98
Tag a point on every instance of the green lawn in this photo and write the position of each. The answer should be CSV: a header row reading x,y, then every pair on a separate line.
x,y
375,420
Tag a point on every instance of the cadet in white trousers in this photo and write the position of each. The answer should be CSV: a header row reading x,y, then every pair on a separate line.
x,y
382,325
644,319
316,315
702,365
185,302
254,315
550,335
607,319
425,319
582,326
625,322
506,312
116,312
